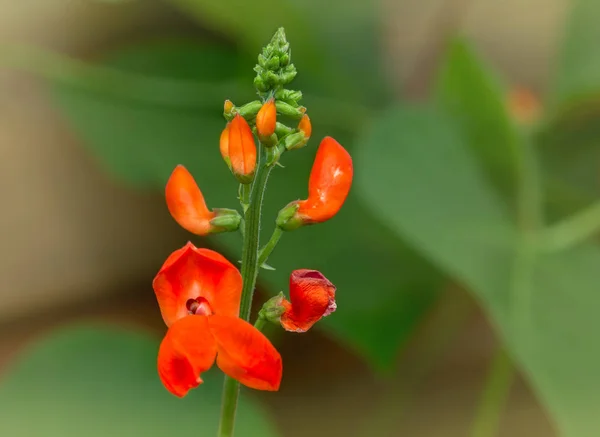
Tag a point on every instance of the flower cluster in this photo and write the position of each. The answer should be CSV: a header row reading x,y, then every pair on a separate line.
x,y
204,299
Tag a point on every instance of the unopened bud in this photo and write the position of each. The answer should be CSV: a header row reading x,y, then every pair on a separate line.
x,y
295,141
289,110
266,120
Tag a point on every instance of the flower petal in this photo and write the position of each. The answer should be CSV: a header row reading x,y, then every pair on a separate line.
x,y
329,183
189,273
312,297
186,202
245,354
187,350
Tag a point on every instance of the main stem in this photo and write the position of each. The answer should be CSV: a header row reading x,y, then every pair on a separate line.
x,y
249,270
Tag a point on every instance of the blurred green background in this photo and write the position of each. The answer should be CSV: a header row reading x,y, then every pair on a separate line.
x,y
467,247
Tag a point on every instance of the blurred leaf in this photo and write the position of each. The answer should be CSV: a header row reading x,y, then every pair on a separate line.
x,y
472,94
382,284
100,381
544,306
578,70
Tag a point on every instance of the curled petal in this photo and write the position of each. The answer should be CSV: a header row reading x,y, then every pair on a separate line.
x,y
187,350
329,184
186,202
242,149
312,296
190,273
245,354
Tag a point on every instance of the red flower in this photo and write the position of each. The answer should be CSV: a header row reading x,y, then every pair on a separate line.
x,y
312,296
266,119
328,187
199,292
241,150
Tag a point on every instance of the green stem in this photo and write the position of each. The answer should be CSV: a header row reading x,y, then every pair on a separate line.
x,y
246,190
231,394
573,230
250,265
265,252
249,270
495,394
260,323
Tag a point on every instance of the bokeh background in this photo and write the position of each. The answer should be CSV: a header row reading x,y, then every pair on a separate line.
x,y
473,127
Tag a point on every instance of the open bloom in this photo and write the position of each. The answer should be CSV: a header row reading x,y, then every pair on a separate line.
x,y
312,296
198,291
328,187
241,149
187,206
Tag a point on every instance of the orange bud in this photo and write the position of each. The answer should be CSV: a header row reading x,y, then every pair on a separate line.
x,y
227,107
224,146
304,126
242,150
328,187
266,119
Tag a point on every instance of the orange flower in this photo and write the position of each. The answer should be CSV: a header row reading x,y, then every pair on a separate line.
x,y
328,187
312,296
241,149
187,206
266,119
199,292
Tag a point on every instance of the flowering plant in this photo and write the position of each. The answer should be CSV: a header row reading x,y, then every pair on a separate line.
x,y
204,300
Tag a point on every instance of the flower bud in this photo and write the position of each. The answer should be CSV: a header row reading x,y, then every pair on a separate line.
x,y
312,297
328,187
289,110
249,110
228,109
266,120
242,150
305,126
224,146
295,141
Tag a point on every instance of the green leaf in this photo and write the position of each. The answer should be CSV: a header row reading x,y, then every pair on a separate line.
x,y
433,192
384,287
469,91
99,381
578,69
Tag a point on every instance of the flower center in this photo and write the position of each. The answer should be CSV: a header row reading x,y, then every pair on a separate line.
x,y
198,306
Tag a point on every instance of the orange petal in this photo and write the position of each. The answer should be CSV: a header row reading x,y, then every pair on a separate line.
x,y
186,202
189,273
329,184
187,350
266,119
312,297
224,145
305,126
245,354
242,149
